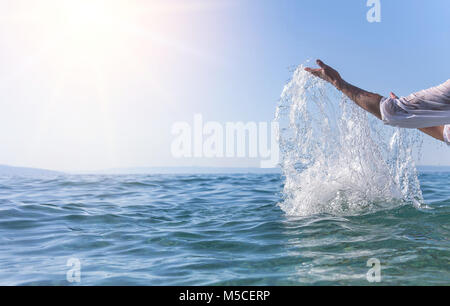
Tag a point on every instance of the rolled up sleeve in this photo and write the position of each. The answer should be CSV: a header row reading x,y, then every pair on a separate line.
x,y
391,113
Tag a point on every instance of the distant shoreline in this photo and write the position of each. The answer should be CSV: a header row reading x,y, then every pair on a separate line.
x,y
433,168
6,170
185,170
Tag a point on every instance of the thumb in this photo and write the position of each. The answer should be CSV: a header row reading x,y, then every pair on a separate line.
x,y
393,95
320,63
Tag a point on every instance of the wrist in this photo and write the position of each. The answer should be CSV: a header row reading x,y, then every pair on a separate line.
x,y
340,84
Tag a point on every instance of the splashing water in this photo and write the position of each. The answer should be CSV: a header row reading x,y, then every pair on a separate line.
x,y
335,159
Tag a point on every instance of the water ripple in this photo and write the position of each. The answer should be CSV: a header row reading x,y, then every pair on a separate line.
x,y
210,230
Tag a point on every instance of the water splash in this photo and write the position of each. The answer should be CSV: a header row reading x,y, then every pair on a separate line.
x,y
335,158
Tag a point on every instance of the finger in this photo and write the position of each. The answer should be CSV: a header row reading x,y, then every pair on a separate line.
x,y
321,64
311,69
393,95
315,72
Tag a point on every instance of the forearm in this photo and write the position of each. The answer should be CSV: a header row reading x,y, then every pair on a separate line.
x,y
371,103
435,131
367,100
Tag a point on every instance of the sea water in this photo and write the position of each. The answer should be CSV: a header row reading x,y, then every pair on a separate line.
x,y
210,230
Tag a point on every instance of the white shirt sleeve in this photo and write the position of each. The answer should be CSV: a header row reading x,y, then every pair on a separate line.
x,y
426,108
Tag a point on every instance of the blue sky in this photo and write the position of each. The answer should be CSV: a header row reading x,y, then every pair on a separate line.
x,y
97,92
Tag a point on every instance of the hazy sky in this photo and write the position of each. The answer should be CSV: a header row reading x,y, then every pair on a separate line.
x,y
92,84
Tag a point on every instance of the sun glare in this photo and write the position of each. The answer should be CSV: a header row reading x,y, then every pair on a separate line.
x,y
80,47
94,26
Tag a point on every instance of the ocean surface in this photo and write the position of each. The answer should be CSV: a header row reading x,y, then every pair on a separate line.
x,y
211,230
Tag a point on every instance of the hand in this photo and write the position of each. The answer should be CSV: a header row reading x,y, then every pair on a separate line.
x,y
328,74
